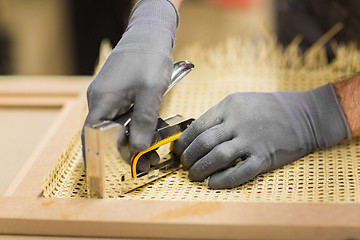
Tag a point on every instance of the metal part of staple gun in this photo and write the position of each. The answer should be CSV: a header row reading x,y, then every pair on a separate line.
x,y
108,169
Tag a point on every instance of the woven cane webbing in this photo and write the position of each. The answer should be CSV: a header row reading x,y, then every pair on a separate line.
x,y
328,175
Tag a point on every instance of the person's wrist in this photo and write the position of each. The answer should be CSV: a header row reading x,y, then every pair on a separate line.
x,y
349,97
152,28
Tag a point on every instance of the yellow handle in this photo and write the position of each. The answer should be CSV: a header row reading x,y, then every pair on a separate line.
x,y
135,158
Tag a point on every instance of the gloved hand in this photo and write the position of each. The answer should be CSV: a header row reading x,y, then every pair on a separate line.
x,y
265,130
138,71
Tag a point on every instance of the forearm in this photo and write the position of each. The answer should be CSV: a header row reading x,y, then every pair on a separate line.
x,y
178,3
348,92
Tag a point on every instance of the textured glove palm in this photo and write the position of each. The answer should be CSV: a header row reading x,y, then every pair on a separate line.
x,y
265,130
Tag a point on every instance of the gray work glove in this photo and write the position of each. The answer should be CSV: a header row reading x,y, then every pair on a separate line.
x,y
265,130
138,71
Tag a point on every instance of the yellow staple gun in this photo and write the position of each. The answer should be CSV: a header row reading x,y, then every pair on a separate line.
x,y
110,167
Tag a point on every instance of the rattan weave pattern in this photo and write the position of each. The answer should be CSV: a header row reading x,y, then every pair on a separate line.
x,y
327,175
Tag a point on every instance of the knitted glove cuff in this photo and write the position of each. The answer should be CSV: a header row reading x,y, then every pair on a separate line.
x,y
316,116
332,125
152,28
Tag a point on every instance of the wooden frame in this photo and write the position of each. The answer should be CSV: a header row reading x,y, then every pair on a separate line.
x,y
23,212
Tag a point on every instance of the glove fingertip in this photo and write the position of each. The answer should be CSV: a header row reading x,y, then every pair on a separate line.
x,y
177,150
194,175
216,182
154,158
226,179
143,164
185,161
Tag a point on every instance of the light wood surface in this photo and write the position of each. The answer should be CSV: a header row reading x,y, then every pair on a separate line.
x,y
21,130
177,219
42,86
29,109
53,144
23,237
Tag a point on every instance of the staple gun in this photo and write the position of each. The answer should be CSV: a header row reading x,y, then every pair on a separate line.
x,y
111,166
